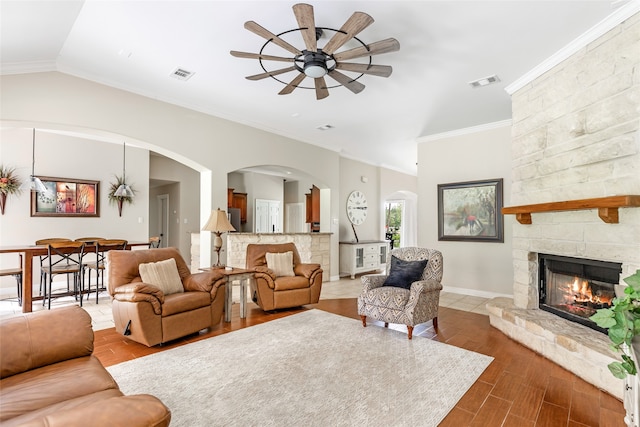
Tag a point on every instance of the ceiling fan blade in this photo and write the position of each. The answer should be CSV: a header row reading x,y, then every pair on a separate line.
x,y
383,46
270,73
264,33
304,15
374,70
294,84
321,88
356,23
353,85
260,56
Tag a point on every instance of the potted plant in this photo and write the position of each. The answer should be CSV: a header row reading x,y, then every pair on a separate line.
x,y
622,320
118,199
9,184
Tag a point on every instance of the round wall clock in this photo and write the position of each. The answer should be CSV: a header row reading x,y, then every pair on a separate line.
x,y
357,207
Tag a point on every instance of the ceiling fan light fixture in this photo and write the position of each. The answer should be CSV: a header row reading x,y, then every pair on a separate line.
x,y
314,70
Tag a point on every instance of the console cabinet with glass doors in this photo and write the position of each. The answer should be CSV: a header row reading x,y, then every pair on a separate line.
x,y
362,257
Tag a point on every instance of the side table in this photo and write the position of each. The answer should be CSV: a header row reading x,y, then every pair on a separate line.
x,y
241,275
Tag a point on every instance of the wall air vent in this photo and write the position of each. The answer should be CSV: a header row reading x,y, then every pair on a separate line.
x,y
485,81
182,74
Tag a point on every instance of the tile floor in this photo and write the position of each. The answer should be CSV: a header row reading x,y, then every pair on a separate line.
x,y
343,288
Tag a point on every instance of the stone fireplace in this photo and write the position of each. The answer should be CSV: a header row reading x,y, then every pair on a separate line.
x,y
575,136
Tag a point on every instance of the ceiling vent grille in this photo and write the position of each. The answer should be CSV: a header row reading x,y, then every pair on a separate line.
x,y
324,127
485,81
182,74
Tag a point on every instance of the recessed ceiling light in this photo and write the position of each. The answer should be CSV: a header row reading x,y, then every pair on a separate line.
x,y
182,74
485,81
324,127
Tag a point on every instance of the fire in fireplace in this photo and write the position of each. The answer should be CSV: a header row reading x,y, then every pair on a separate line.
x,y
574,288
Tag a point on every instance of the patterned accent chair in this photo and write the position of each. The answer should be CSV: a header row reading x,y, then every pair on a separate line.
x,y
410,307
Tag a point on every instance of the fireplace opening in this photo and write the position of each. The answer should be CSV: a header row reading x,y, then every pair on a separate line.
x,y
574,288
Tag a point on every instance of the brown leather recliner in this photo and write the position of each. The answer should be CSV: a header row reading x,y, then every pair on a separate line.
x,y
271,292
49,376
145,314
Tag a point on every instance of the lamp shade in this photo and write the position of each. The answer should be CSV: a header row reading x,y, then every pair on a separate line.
x,y
218,222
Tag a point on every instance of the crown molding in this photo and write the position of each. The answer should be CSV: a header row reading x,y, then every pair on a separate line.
x,y
607,24
28,67
464,131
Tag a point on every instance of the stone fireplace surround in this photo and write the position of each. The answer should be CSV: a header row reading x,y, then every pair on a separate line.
x,y
575,135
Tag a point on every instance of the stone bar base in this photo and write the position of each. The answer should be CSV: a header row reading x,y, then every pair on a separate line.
x,y
575,347
312,247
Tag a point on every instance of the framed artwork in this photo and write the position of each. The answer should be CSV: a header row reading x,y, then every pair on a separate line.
x,y
471,211
66,197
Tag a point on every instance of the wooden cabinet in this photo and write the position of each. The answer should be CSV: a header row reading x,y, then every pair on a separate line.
x,y
239,201
313,208
362,257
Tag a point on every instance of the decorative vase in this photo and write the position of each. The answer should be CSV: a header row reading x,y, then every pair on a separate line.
x,y
3,201
120,202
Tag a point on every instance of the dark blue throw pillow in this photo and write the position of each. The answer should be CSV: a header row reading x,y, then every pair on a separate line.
x,y
403,273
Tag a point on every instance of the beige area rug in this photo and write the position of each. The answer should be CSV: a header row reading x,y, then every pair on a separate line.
x,y
309,369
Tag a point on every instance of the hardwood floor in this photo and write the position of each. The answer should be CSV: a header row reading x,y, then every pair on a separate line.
x,y
519,388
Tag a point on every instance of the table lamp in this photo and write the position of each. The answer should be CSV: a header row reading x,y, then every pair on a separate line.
x,y
218,223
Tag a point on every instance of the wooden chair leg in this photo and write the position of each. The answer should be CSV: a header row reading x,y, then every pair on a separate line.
x,y
410,331
435,322
386,324
364,320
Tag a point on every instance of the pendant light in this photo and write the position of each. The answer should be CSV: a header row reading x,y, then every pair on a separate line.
x,y
35,184
124,190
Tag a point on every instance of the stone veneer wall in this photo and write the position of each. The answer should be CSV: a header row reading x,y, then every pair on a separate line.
x,y
575,136
312,247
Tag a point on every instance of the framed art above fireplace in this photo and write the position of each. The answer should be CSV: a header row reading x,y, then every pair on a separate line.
x,y
471,211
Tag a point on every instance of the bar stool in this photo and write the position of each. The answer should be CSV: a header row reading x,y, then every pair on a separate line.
x,y
17,273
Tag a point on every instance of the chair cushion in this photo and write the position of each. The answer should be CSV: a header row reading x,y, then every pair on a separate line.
x,y
289,283
280,263
162,274
403,273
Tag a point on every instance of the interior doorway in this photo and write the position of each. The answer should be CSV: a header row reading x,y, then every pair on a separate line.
x,y
163,219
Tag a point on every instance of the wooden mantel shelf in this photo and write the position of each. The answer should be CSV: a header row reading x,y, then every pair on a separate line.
x,y
607,207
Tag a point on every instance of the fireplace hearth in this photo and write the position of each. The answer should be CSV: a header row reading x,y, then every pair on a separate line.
x,y
575,288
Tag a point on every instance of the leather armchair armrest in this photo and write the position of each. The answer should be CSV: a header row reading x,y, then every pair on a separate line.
x,y
305,270
203,281
372,281
140,292
134,410
265,272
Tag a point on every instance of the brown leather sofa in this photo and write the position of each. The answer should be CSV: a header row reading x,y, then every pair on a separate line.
x,y
145,314
49,377
271,292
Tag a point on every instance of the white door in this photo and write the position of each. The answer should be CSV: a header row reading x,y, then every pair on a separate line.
x,y
268,216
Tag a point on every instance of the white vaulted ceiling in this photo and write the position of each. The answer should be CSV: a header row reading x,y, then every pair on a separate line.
x,y
137,45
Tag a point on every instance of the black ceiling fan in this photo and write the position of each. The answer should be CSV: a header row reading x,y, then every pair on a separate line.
x,y
316,62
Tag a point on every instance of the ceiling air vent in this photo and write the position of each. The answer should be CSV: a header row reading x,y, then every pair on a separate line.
x,y
182,74
485,81
325,127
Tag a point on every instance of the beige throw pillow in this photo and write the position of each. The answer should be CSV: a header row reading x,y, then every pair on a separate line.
x,y
280,263
162,274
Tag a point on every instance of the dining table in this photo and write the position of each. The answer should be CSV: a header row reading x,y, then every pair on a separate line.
x,y
31,251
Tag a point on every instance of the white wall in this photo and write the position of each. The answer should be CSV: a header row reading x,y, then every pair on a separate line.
x,y
477,268
208,144
66,156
